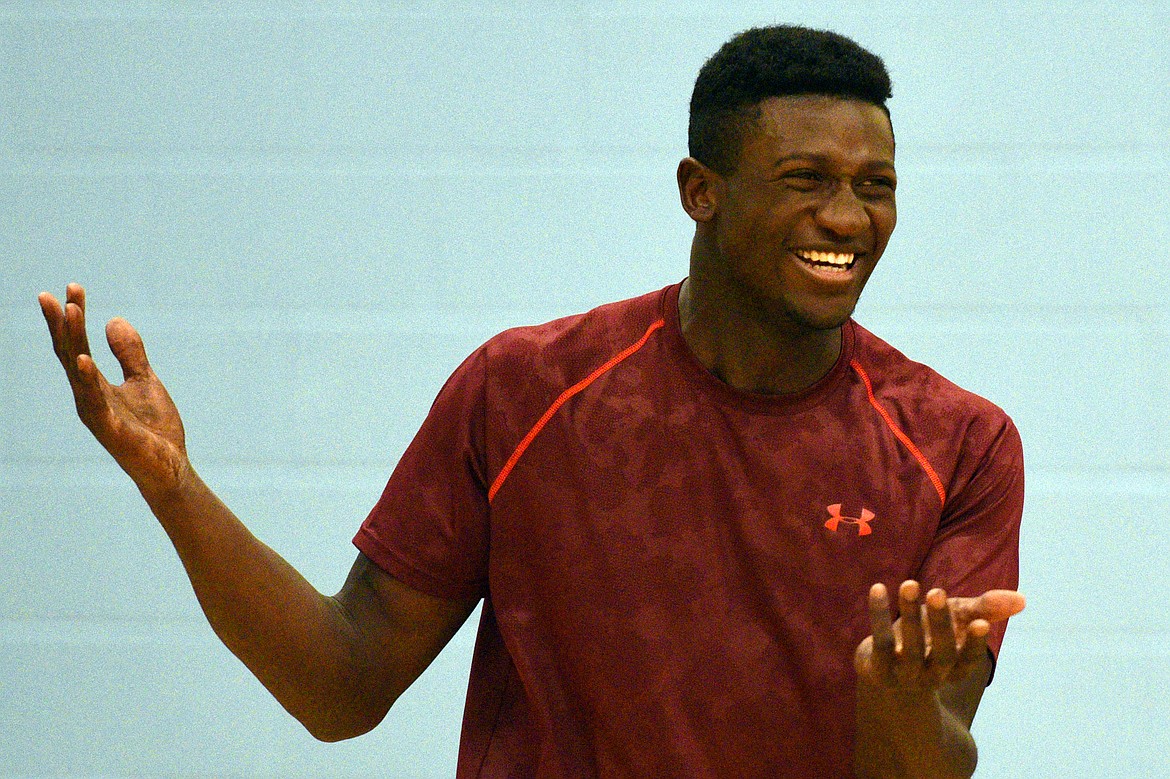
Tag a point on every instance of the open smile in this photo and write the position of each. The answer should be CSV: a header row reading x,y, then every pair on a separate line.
x,y
830,262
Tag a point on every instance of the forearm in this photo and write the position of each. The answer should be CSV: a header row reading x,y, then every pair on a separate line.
x,y
909,734
299,643
335,663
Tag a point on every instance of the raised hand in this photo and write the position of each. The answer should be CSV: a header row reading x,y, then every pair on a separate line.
x,y
135,421
931,643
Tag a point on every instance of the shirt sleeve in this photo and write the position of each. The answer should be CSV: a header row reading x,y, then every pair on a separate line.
x,y
429,529
977,545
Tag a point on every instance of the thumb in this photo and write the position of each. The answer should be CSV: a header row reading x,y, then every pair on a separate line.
x,y
993,606
127,346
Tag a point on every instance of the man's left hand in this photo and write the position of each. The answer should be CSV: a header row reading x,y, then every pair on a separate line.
x,y
931,643
920,678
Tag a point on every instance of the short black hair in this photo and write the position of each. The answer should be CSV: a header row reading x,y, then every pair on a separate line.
x,y
777,61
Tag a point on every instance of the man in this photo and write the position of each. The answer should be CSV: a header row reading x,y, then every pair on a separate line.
x,y
683,512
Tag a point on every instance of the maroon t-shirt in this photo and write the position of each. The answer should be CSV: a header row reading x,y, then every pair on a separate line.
x,y
674,571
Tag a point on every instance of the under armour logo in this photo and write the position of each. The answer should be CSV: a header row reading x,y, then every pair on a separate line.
x,y
862,522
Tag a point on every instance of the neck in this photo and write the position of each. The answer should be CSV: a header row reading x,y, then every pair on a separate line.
x,y
750,351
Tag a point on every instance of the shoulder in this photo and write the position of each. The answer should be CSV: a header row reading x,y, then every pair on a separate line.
x,y
524,368
917,388
956,423
564,350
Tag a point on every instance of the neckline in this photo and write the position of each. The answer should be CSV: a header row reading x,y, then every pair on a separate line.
x,y
698,375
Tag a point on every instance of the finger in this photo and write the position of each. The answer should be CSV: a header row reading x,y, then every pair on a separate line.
x,y
993,606
75,293
127,346
882,627
76,339
943,650
55,320
910,622
91,396
89,378
974,648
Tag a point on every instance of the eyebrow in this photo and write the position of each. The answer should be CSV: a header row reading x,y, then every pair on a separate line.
x,y
823,159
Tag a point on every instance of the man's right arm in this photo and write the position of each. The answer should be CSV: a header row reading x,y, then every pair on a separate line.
x,y
335,663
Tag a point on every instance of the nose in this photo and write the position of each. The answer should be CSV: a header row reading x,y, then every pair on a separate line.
x,y
842,212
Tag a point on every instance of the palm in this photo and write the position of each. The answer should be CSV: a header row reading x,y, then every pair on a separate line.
x,y
141,418
930,673
137,421
933,641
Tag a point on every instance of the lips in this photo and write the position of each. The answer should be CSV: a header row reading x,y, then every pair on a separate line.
x,y
832,262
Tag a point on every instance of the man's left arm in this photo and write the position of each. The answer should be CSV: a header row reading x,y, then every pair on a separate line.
x,y
920,678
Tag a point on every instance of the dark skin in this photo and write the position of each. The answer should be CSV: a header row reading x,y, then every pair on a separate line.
x,y
752,310
336,663
816,176
783,247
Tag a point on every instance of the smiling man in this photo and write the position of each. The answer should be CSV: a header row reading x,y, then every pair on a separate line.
x,y
684,513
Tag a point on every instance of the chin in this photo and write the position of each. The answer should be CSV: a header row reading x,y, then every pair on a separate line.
x,y
809,313
818,320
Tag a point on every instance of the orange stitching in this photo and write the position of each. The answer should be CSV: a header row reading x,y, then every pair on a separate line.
x,y
921,458
560,401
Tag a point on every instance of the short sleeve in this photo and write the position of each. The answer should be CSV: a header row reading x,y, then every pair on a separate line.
x,y
429,529
977,545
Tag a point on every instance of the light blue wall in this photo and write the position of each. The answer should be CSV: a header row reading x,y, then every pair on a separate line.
x,y
312,215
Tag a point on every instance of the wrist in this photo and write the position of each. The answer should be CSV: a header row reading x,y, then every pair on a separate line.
x,y
909,732
171,486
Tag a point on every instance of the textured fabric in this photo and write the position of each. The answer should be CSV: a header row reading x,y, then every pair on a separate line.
x,y
674,571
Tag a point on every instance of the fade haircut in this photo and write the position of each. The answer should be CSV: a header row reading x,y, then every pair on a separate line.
x,y
778,61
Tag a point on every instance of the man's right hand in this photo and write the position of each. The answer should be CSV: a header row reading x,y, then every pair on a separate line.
x,y
136,421
337,664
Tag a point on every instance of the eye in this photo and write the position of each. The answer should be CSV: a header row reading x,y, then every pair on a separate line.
x,y
880,181
804,180
878,186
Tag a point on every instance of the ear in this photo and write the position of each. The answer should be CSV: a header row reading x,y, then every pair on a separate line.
x,y
698,189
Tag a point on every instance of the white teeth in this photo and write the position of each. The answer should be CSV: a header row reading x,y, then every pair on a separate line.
x,y
840,261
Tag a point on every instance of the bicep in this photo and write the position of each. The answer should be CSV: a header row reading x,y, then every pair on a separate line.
x,y
398,631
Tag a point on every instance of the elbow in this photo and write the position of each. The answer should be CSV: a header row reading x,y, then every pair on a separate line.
x,y
342,725
333,731
333,736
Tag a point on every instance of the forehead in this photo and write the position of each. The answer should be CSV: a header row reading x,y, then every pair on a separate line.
x,y
842,129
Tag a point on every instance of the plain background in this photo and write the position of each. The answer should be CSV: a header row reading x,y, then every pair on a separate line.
x,y
313,211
